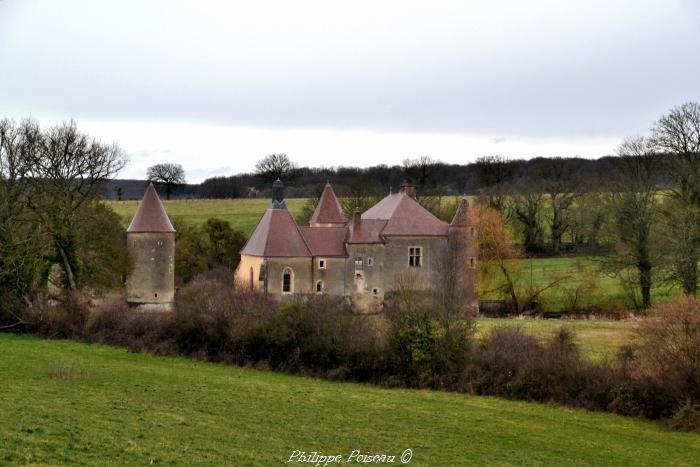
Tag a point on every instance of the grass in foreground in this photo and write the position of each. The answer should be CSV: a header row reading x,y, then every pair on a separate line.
x,y
117,407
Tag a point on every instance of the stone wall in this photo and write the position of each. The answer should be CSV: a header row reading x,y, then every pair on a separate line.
x,y
301,278
153,277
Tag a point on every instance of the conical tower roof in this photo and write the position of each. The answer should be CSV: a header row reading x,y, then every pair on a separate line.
x,y
328,210
276,235
150,215
463,216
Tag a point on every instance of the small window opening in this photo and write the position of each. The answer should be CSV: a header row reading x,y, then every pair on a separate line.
x,y
375,291
319,287
156,294
415,257
287,281
322,264
369,261
472,263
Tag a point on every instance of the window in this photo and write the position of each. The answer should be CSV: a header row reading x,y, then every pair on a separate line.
x,y
369,261
319,287
358,263
375,291
287,281
415,257
322,264
472,263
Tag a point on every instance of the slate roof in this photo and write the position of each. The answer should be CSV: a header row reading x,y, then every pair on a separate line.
x,y
463,217
150,216
325,241
276,235
405,217
328,210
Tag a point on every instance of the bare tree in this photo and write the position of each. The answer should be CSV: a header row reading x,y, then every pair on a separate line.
x,y
562,188
528,203
494,173
275,166
633,203
67,173
678,135
167,174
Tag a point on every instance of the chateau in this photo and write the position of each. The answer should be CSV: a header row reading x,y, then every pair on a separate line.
x,y
362,258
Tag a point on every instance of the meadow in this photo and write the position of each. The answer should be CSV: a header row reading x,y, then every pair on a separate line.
x,y
66,402
585,280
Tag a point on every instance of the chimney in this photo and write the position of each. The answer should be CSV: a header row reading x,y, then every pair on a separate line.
x,y
356,220
409,188
278,195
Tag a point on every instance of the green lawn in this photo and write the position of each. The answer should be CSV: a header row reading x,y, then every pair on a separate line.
x,y
117,407
596,338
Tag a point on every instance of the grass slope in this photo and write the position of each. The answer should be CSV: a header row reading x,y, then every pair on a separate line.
x,y
125,408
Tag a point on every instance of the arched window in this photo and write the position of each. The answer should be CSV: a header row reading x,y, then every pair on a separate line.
x,y
319,287
287,281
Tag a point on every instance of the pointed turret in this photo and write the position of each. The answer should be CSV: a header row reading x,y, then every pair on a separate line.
x,y
150,215
150,240
463,216
328,212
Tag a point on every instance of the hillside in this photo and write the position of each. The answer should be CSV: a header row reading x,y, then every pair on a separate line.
x,y
92,404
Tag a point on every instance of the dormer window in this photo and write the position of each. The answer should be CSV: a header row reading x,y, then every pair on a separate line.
x,y
322,264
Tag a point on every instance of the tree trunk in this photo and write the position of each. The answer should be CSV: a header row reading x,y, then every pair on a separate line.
x,y
644,269
67,267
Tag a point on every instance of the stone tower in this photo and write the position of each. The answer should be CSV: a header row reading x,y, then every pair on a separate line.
x,y
151,241
463,246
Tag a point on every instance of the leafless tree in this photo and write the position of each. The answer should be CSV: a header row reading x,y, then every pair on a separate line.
x,y
68,171
562,188
167,174
633,203
528,204
678,135
495,172
275,166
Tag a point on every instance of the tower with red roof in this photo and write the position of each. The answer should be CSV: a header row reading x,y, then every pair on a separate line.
x,y
151,242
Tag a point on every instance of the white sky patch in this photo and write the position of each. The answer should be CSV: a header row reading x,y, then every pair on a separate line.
x,y
211,150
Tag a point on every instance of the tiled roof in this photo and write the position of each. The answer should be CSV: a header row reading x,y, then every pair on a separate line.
x,y
276,235
463,216
325,241
405,217
368,231
150,216
328,210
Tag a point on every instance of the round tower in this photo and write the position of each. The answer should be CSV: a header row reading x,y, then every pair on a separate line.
x,y
151,242
463,244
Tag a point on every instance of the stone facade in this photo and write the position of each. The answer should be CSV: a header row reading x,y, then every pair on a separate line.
x,y
364,258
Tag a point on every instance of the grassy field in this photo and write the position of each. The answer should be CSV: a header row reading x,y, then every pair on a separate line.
x,y
242,214
64,402
596,338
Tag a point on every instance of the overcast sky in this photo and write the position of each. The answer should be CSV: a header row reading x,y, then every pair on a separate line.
x,y
217,85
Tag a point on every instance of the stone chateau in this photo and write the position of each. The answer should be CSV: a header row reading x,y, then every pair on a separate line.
x,y
361,259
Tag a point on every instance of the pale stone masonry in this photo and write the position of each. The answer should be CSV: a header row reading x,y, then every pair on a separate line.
x,y
150,240
362,258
